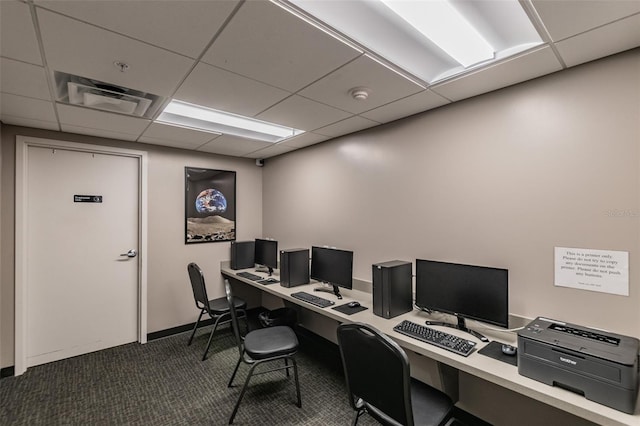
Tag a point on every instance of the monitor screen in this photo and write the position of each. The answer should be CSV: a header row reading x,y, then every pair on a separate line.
x,y
332,266
266,253
475,292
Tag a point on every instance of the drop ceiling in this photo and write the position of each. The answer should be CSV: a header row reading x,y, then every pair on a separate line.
x,y
257,59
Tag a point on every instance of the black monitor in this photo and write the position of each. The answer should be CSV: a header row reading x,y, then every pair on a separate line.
x,y
266,254
466,291
332,266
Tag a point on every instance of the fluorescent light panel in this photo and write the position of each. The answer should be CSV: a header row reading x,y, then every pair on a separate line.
x,y
210,120
441,23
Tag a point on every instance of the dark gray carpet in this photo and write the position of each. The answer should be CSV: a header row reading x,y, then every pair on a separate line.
x,y
165,383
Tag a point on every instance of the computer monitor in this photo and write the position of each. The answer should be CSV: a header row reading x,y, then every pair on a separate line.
x,y
266,254
466,291
332,266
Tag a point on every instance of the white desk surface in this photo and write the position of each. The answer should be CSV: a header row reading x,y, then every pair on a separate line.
x,y
481,366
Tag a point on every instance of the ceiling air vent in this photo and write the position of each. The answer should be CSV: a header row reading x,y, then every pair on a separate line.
x,y
96,94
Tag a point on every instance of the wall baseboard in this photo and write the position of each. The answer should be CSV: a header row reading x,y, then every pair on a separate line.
x,y
252,313
177,330
7,372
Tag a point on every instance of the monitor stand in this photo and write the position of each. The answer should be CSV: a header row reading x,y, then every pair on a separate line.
x,y
335,290
261,268
460,326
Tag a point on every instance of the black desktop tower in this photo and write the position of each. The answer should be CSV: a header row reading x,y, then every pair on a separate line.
x,y
391,288
242,254
294,267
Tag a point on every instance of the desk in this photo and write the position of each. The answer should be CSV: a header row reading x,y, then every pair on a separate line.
x,y
477,365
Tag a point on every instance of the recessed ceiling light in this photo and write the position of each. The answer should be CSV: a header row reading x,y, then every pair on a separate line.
x,y
496,30
441,23
184,114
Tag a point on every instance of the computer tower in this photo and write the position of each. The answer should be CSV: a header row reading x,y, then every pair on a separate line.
x,y
391,288
242,254
294,267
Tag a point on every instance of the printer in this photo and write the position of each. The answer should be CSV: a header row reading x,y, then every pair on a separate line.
x,y
600,365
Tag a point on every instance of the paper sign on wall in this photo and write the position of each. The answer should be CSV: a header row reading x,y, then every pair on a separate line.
x,y
605,271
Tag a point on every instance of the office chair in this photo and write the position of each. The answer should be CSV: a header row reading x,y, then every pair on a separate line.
x,y
218,309
379,383
261,346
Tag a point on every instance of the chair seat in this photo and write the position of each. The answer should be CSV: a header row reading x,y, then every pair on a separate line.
x,y
430,406
270,342
220,305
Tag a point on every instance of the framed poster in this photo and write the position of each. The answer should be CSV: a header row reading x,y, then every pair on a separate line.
x,y
210,205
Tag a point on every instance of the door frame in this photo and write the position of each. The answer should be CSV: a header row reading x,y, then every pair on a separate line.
x,y
23,143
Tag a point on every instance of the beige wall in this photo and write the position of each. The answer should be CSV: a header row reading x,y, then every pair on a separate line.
x,y
499,180
169,298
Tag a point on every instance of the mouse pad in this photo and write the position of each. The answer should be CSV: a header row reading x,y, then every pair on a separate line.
x,y
345,309
494,350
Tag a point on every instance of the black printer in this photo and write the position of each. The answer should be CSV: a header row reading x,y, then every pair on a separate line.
x,y
600,365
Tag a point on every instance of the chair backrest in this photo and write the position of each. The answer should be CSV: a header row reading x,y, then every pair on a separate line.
x,y
234,314
198,286
377,371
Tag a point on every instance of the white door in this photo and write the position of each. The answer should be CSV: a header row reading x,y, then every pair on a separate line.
x,y
81,287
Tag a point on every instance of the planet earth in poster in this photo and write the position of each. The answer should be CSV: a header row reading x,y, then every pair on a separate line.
x,y
211,201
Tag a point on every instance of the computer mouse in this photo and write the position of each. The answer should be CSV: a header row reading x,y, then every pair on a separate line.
x,y
509,350
354,304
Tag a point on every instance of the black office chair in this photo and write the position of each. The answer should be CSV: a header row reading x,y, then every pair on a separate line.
x,y
261,346
218,309
379,382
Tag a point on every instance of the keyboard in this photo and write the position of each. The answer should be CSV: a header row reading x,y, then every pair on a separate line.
x,y
250,276
313,299
435,337
268,281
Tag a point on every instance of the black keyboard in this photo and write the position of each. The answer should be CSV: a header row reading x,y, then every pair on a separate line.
x,y
250,276
313,299
435,337
268,281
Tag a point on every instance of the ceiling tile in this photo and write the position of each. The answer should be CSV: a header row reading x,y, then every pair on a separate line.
x,y
512,71
613,38
98,132
260,58
233,145
567,18
26,122
81,49
405,107
99,120
17,35
179,137
23,79
384,84
28,108
271,151
219,89
269,44
350,125
305,139
303,114
154,22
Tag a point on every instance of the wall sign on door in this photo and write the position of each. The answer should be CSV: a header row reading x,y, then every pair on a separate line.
x,y
87,198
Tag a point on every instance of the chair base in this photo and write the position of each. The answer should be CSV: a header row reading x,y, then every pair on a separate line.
x,y
254,364
218,321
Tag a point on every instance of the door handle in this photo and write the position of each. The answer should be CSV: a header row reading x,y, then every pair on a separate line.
x,y
130,253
